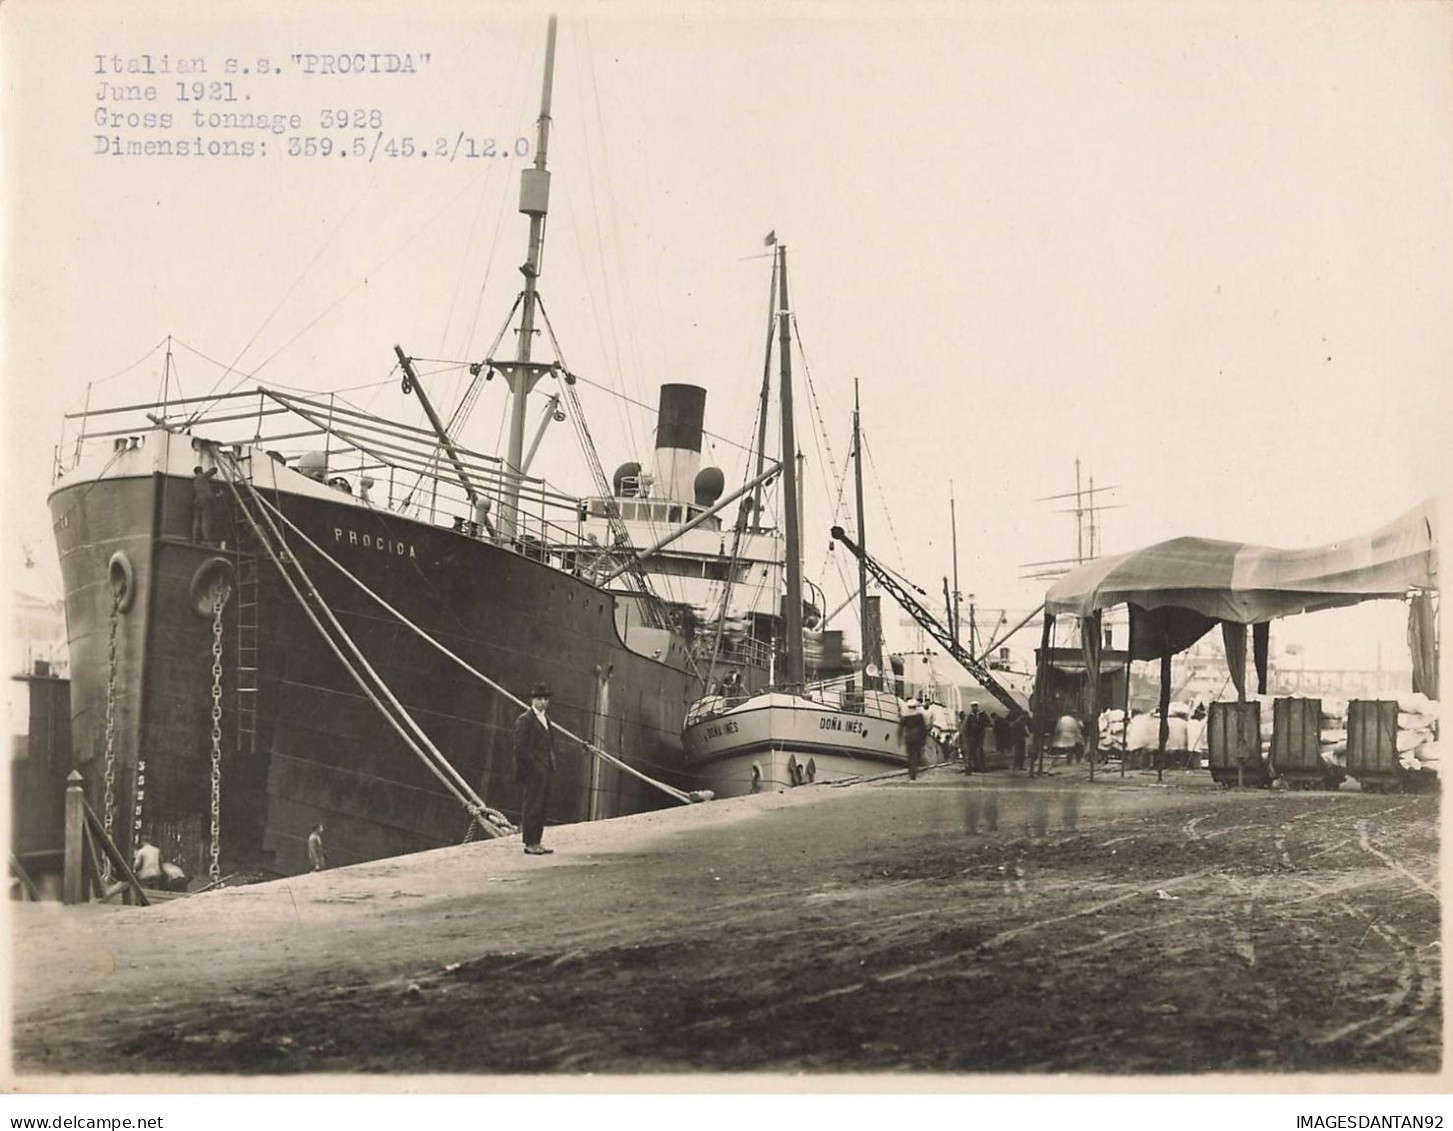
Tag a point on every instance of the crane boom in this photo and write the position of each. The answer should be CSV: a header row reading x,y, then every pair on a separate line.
x,y
931,625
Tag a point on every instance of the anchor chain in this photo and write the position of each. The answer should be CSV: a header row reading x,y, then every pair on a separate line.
x,y
220,594
110,798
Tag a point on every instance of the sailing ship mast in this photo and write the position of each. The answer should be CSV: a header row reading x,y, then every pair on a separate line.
x,y
953,520
522,375
795,673
872,652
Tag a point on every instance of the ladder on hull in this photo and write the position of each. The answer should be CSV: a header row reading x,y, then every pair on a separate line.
x,y
247,651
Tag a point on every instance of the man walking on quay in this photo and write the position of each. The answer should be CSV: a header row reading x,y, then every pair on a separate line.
x,y
534,748
317,857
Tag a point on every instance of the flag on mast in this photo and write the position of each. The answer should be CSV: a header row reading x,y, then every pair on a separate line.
x,y
771,240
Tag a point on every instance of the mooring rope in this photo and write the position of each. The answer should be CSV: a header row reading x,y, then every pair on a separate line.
x,y
589,747
491,819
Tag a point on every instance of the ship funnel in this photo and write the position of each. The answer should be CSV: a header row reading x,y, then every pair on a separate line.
x,y
678,440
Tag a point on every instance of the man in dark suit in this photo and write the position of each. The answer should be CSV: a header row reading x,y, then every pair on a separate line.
x,y
534,748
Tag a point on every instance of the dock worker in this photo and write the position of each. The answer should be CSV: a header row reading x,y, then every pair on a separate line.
x,y
975,723
534,750
1019,735
203,495
1069,739
317,857
147,864
1000,723
915,731
173,878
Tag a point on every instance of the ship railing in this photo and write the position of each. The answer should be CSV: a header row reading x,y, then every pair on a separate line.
x,y
387,464
880,705
854,700
739,651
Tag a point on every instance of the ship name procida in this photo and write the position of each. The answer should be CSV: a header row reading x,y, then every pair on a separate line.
x,y
374,542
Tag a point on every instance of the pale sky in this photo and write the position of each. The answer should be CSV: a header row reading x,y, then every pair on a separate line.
x,y
1203,247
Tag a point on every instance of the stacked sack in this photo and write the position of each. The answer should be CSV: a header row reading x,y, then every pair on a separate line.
x,y
1417,732
1112,731
1145,730
1334,732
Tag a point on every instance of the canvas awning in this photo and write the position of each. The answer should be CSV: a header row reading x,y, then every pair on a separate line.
x,y
1178,590
1190,584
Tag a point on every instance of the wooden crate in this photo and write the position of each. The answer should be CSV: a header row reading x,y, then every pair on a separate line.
x,y
1233,740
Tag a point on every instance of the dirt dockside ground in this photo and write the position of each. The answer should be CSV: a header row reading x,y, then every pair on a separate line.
x,y
961,925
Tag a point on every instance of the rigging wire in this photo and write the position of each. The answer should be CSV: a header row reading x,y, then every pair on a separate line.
x,y
124,372
520,96
277,384
621,415
615,346
359,285
887,514
748,449
289,292
613,211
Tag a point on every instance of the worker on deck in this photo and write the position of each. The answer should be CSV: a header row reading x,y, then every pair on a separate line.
x,y
203,495
316,856
534,750
147,862
481,519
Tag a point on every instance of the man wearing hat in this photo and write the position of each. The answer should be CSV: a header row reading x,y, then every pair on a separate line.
x,y
534,748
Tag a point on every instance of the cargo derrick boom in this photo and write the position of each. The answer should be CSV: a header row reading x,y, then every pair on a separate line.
x,y
930,624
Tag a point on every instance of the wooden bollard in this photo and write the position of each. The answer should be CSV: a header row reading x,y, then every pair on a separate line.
x,y
73,887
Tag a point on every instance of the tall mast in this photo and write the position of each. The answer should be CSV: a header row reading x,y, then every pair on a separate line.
x,y
1079,517
872,653
953,521
521,377
789,482
766,401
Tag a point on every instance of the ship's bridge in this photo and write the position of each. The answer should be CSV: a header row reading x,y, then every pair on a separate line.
x,y
660,513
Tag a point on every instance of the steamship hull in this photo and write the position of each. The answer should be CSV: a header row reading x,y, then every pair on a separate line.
x,y
775,741
299,743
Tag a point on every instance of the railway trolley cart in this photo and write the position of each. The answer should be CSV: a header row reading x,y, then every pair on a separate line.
x,y
1372,750
1296,746
1234,746
1233,743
